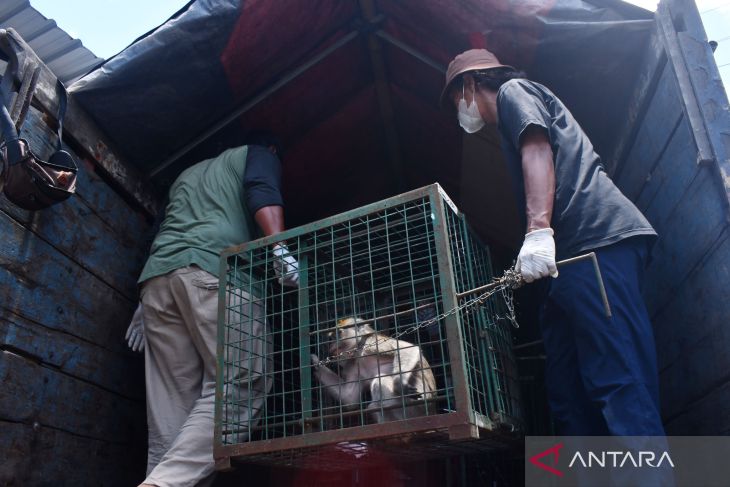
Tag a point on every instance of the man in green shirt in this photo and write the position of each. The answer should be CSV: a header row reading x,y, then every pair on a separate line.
x,y
210,209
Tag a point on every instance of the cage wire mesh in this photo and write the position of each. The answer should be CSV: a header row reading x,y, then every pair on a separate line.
x,y
491,369
360,351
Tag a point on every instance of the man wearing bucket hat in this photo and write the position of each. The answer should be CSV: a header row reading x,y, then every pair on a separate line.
x,y
601,371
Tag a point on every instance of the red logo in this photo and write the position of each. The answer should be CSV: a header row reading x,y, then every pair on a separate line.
x,y
555,452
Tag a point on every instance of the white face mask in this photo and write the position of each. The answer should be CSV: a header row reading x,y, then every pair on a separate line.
x,y
469,118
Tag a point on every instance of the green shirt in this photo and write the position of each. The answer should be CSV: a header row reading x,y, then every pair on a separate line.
x,y
206,214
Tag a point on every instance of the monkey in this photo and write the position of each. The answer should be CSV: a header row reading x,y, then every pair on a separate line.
x,y
394,372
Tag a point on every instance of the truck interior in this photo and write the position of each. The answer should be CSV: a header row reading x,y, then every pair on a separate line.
x,y
352,89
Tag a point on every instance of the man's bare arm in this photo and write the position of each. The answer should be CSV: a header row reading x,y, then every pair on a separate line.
x,y
270,219
539,175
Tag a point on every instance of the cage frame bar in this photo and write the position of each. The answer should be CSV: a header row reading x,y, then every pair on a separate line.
x,y
353,435
339,218
222,462
305,368
452,323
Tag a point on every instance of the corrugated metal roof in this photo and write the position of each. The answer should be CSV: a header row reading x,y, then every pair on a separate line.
x,y
64,55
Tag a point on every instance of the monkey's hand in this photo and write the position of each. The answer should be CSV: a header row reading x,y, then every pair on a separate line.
x,y
317,366
324,374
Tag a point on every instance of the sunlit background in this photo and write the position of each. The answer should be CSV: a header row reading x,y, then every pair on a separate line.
x,y
108,26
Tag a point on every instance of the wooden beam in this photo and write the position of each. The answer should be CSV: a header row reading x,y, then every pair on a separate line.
x,y
80,128
385,103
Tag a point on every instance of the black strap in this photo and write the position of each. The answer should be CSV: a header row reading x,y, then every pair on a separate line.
x,y
7,127
62,101
8,133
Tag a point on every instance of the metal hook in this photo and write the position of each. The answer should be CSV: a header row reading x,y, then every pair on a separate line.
x,y
518,282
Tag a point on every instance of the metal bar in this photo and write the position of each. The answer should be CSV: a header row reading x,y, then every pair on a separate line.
x,y
596,268
220,352
304,343
452,323
572,260
318,419
484,391
412,51
392,299
480,289
333,220
494,333
601,287
412,279
367,432
380,318
599,279
435,286
285,80
528,344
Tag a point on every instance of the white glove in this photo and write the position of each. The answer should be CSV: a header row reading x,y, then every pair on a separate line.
x,y
537,256
135,333
286,266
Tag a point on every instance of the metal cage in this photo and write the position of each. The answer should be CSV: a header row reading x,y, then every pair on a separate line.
x,y
433,377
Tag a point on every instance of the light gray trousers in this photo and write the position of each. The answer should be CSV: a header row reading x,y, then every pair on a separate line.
x,y
180,318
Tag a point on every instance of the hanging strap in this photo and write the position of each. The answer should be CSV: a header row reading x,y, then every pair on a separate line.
x,y
62,159
62,102
25,96
8,132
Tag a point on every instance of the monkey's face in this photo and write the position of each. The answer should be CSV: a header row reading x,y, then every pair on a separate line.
x,y
345,336
342,339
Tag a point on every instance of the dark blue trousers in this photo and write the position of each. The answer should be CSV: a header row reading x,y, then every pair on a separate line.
x,y
601,372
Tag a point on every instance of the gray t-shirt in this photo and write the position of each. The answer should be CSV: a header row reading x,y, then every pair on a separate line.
x,y
589,210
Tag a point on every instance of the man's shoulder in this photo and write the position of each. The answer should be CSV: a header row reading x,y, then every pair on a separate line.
x,y
232,159
521,87
233,156
234,153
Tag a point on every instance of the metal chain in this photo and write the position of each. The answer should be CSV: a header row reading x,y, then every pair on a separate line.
x,y
509,281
